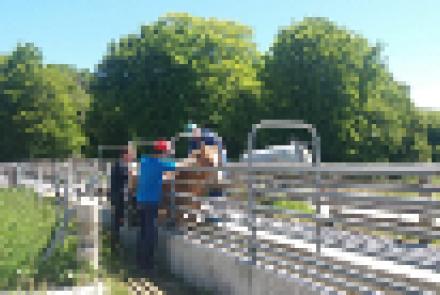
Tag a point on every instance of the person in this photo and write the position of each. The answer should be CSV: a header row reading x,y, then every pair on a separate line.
x,y
205,136
118,191
204,150
148,197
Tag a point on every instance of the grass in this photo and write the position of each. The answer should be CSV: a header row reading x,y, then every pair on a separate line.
x,y
116,286
300,206
114,272
27,224
63,268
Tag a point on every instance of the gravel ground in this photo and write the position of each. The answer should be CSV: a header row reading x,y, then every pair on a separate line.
x,y
425,257
422,256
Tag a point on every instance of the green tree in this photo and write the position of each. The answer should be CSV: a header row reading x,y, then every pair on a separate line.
x,y
178,68
332,78
431,122
38,108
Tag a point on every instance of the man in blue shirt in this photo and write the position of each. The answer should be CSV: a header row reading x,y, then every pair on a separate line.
x,y
148,196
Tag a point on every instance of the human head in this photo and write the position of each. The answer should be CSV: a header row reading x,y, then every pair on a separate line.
x,y
127,154
195,136
207,144
161,148
189,127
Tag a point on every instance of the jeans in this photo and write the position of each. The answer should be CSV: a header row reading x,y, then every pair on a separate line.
x,y
148,234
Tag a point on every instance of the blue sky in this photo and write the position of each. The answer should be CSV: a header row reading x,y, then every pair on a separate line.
x,y
77,32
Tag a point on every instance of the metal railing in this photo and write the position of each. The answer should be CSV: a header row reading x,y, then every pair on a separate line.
x,y
370,217
348,227
64,181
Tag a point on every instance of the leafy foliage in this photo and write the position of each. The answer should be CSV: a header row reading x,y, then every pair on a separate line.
x,y
332,78
431,122
38,107
179,68
183,68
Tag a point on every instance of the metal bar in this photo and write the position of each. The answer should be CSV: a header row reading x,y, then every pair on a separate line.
x,y
251,205
284,124
426,219
143,142
101,148
348,198
323,168
250,208
382,169
317,148
371,190
18,172
316,145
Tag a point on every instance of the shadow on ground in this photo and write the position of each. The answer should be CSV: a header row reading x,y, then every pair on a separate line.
x,y
121,267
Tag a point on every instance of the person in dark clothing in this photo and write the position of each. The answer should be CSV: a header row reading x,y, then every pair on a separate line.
x,y
118,192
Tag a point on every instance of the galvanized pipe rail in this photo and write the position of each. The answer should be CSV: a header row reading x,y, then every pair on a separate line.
x,y
394,203
320,185
66,181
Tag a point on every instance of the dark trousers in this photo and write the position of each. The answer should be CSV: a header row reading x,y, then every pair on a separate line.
x,y
148,233
117,215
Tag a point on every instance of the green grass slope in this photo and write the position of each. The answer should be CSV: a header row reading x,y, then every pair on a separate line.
x,y
26,224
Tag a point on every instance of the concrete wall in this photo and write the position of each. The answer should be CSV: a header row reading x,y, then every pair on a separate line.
x,y
87,214
211,269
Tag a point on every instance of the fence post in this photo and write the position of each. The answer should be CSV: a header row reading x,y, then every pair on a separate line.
x,y
317,149
40,172
316,144
251,207
251,200
426,218
13,175
18,174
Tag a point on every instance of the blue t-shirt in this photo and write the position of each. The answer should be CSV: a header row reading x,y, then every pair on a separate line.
x,y
149,187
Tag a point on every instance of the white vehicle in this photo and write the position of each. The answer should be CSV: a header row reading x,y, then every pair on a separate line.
x,y
296,152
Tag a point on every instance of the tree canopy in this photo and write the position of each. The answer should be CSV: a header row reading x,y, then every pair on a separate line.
x,y
334,79
38,107
176,69
182,68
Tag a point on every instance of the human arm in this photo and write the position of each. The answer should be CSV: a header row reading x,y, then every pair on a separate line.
x,y
132,179
168,165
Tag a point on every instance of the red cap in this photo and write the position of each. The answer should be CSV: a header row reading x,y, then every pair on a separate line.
x,y
162,145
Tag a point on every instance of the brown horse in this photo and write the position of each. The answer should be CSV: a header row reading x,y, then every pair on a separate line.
x,y
191,184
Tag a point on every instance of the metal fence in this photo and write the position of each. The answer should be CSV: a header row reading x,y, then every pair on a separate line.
x,y
376,230
77,187
48,177
345,227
